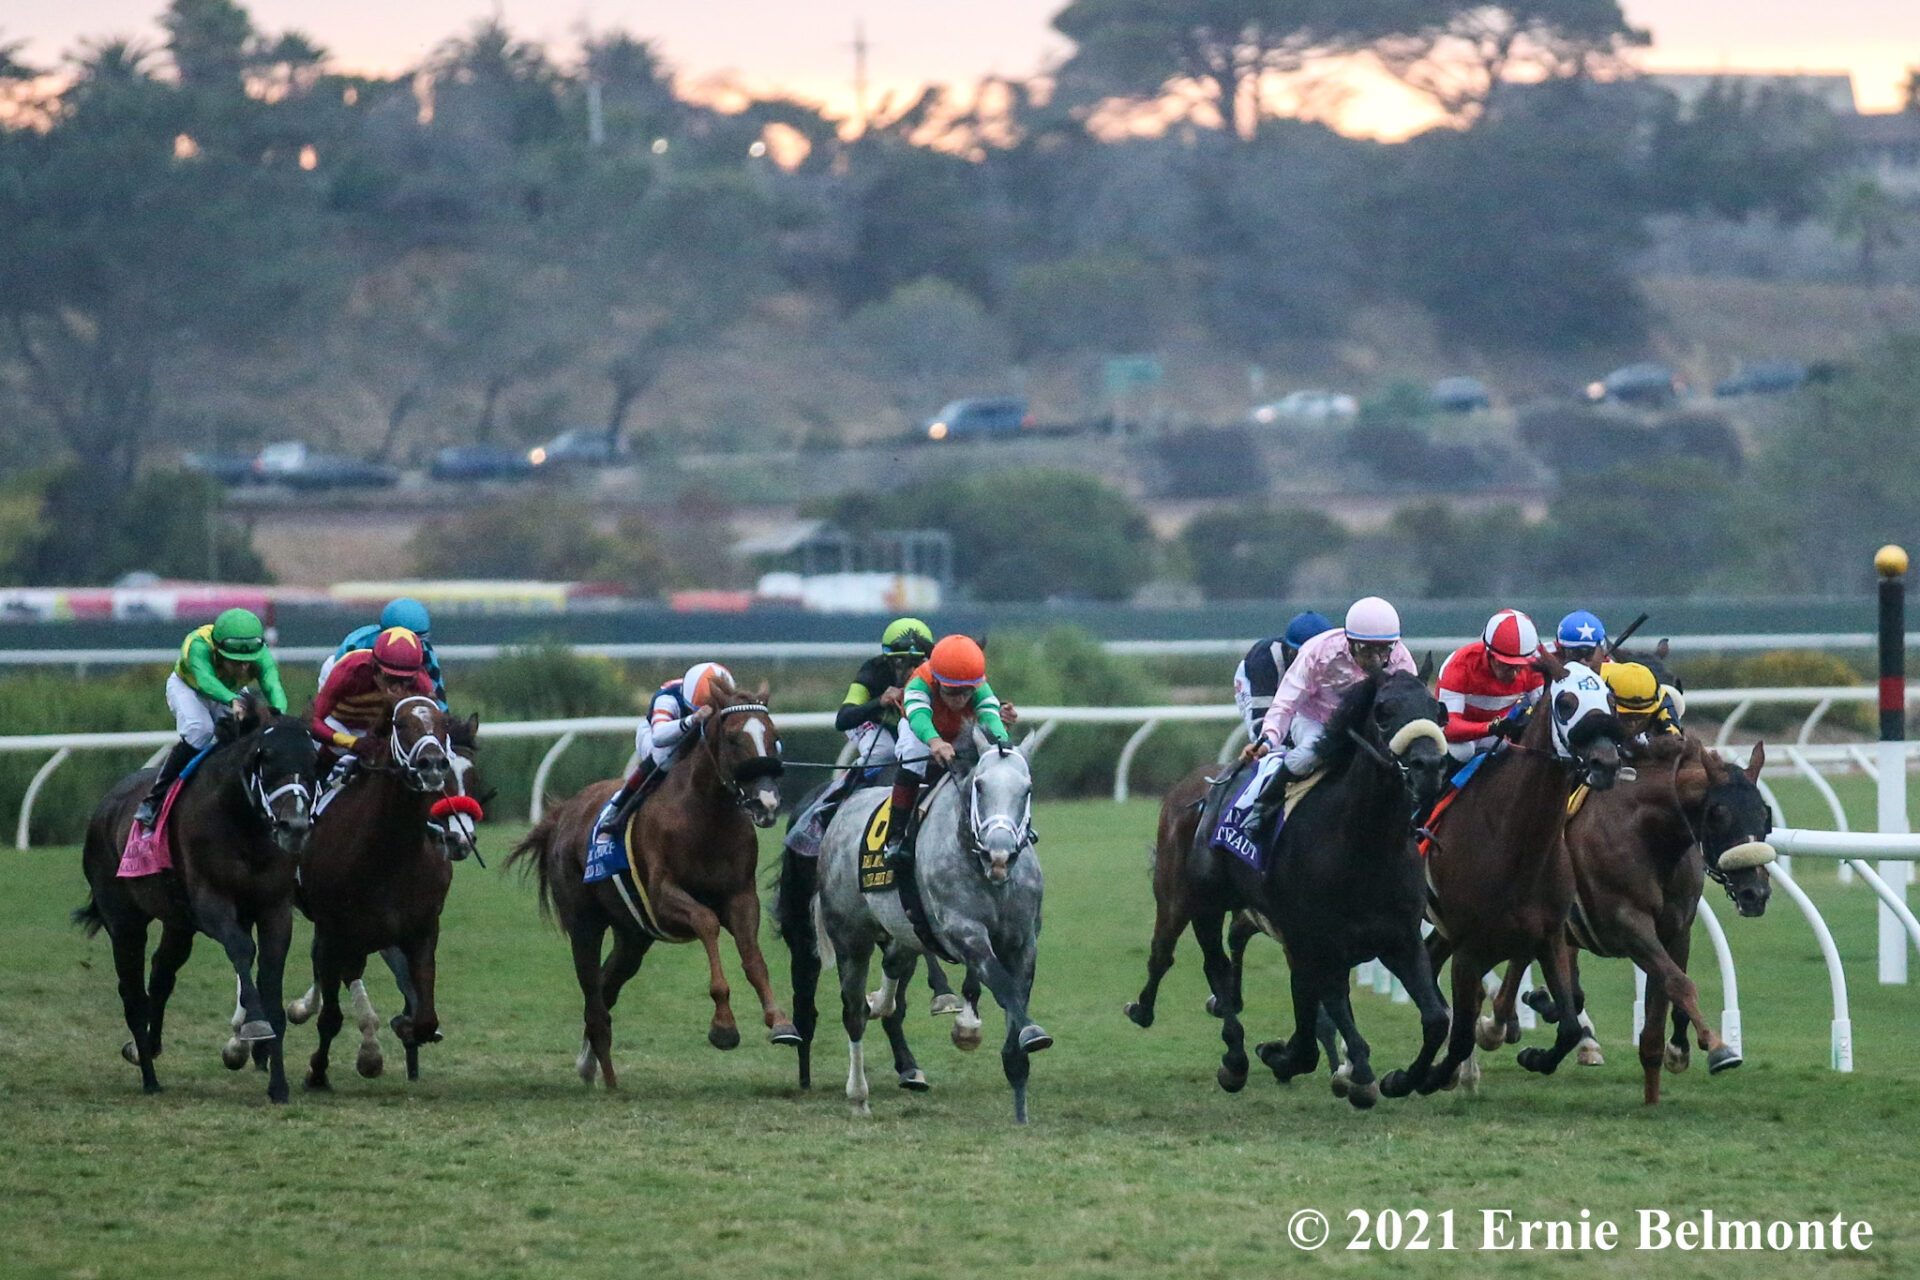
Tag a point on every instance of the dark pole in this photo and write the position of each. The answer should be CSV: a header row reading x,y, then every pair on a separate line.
x,y
1891,563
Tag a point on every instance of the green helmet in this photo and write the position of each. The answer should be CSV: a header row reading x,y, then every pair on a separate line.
x,y
907,637
238,635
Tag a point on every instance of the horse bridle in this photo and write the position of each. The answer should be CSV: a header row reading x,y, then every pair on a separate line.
x,y
1024,836
1715,872
728,778
403,757
263,800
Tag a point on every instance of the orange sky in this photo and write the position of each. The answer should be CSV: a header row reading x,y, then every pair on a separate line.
x,y
804,46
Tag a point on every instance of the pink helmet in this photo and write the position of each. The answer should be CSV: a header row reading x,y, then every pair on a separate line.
x,y
1372,619
1510,637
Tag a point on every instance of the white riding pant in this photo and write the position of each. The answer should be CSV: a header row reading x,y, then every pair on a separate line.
x,y
1299,758
873,745
912,753
645,748
193,712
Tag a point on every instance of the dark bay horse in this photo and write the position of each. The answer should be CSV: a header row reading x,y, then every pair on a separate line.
x,y
371,880
693,861
1501,881
1342,886
1641,854
235,830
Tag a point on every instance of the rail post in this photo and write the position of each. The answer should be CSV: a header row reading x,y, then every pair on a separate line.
x,y
1891,563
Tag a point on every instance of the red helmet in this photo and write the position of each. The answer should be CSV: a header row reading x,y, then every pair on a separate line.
x,y
398,652
957,660
1510,637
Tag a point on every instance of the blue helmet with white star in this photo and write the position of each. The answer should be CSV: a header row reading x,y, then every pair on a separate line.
x,y
1581,630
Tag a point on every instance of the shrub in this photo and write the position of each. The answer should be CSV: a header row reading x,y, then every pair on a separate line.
x,y
1253,552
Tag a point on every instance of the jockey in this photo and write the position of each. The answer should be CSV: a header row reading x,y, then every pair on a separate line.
x,y
1258,674
1646,708
1481,683
404,612
358,692
946,696
216,661
1579,638
1326,667
677,708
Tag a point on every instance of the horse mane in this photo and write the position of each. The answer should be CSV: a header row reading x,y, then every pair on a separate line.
x,y
1336,746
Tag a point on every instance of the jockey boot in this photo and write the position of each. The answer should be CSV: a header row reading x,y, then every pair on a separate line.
x,y
899,850
615,811
1260,813
149,811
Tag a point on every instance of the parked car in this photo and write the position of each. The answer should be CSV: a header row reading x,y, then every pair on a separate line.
x,y
578,447
1461,395
982,416
480,462
1308,406
229,469
1647,384
1768,377
295,465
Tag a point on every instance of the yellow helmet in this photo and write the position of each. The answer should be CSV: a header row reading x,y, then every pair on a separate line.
x,y
1635,691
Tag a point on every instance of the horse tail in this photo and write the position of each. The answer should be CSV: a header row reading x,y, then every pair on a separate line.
x,y
531,854
89,917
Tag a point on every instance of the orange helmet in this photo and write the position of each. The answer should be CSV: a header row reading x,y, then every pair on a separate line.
x,y
957,660
398,652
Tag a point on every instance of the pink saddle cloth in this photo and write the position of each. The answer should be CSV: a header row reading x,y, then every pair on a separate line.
x,y
147,852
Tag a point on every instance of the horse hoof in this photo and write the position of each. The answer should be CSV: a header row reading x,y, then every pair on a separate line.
x,y
1396,1084
1342,1082
298,1010
234,1054
1725,1058
130,1053
878,1006
1513,1031
1589,1055
1488,1034
1678,1058
254,1029
278,1097
1231,1081
586,1066
1538,1061
1140,1015
1034,1038
1213,1005
151,1088
316,1084
369,1062
965,1036
914,1081
1363,1096
1540,1000
784,1034
724,1037
861,1110
945,1003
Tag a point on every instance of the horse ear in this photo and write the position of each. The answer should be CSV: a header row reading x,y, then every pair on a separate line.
x,y
1426,668
1027,746
763,694
1756,761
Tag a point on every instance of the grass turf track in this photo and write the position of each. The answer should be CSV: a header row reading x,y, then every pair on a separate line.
x,y
499,1162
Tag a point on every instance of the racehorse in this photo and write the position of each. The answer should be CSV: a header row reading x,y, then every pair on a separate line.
x,y
1641,853
451,836
371,880
693,859
1342,885
234,830
980,883
1501,881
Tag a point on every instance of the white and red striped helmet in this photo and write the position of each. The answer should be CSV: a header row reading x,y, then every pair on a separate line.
x,y
1510,636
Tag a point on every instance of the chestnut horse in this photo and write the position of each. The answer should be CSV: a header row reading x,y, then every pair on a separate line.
x,y
693,856
235,830
371,879
1501,883
1641,854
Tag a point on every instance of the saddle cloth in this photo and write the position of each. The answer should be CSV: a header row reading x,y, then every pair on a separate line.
x,y
630,887
1231,836
148,853
875,875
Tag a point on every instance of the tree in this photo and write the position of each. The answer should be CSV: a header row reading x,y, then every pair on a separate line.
x,y
931,335
1862,210
1460,554
1731,153
1464,50
1214,54
1253,552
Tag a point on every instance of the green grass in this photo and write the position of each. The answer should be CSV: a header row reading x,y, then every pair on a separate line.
x,y
499,1162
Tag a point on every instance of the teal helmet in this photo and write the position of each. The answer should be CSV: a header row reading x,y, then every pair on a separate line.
x,y
907,638
406,612
238,635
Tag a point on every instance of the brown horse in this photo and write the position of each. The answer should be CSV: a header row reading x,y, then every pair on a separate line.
x,y
693,856
235,830
1501,884
1641,854
371,879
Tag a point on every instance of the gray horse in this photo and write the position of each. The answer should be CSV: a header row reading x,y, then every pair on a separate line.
x,y
980,880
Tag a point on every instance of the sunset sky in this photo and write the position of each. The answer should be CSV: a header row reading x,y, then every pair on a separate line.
x,y
804,47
